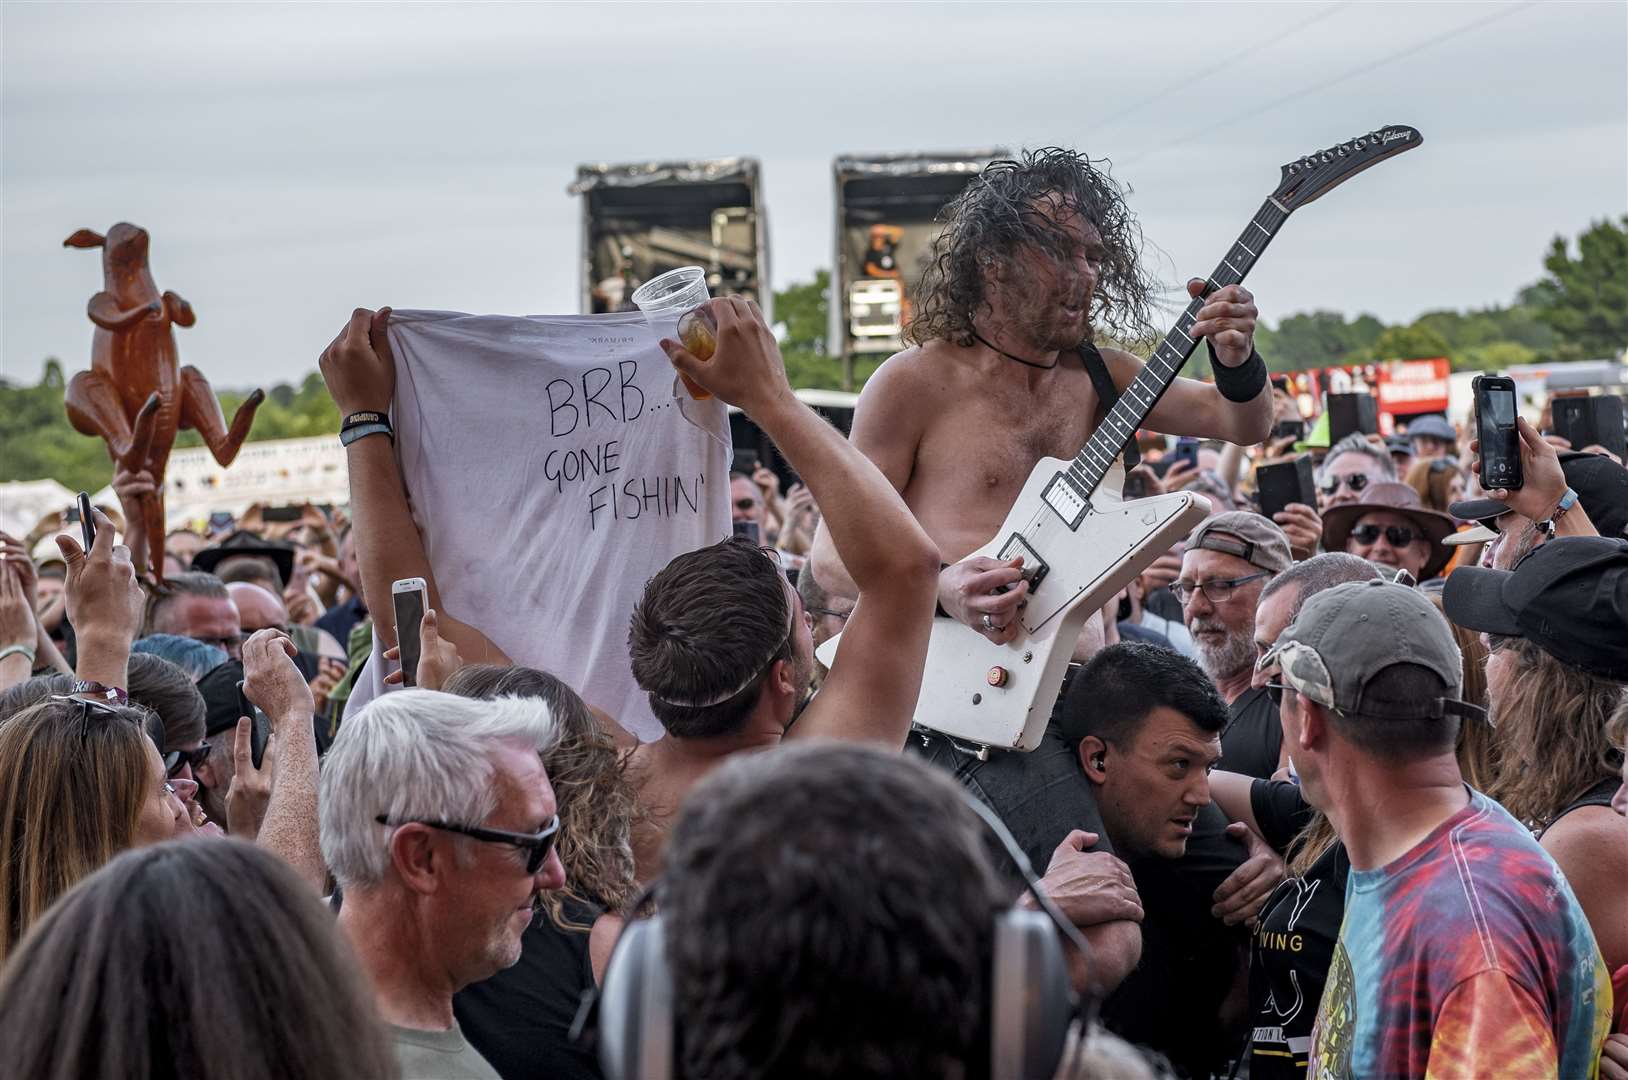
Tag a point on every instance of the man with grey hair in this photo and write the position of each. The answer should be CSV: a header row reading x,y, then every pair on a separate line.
x,y
1283,596
438,823
196,605
1349,467
1229,560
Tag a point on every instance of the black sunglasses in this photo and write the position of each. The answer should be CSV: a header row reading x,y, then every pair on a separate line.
x,y
1398,535
1356,482
175,759
538,844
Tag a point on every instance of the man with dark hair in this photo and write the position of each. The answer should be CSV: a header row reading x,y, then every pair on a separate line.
x,y
1463,951
780,968
1283,596
196,605
1144,724
1228,562
1038,258
720,640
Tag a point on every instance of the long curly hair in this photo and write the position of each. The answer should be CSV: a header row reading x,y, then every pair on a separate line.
x,y
598,806
1552,722
1005,210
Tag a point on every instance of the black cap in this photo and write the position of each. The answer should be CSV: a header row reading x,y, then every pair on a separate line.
x,y
1569,597
219,690
1601,485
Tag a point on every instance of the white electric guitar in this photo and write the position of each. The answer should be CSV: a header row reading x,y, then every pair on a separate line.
x,y
1080,542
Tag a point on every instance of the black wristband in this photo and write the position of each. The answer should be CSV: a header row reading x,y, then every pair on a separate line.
x,y
357,419
1241,383
938,608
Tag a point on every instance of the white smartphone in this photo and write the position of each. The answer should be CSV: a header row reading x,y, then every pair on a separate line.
x,y
408,598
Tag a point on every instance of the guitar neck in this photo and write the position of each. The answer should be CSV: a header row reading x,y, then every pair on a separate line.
x,y
1092,463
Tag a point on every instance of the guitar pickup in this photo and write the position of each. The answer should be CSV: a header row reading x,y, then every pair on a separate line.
x,y
1035,568
1067,500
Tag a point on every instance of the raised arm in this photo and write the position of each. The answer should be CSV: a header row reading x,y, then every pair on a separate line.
x,y
289,829
361,375
885,431
871,691
1191,407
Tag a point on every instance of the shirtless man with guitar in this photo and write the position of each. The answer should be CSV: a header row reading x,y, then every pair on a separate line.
x,y
1038,256
976,423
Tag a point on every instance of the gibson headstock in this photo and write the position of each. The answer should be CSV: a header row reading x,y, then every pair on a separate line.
x,y
1315,175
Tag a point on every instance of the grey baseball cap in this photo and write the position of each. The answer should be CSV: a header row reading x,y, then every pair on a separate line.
x,y
1249,536
1345,636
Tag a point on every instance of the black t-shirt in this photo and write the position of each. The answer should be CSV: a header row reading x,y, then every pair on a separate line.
x,y
1253,737
1172,1001
1290,953
520,1018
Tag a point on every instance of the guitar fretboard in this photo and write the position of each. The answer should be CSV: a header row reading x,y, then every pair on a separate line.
x,y
1119,426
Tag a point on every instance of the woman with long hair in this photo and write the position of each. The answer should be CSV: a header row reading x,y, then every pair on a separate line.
x,y
520,1018
80,781
207,960
1562,770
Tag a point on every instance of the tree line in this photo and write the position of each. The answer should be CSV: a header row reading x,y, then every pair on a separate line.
x,y
1577,310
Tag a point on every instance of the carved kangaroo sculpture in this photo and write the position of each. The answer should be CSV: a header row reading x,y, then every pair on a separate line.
x,y
136,396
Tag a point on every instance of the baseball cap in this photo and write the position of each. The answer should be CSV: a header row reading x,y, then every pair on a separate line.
x,y
1601,485
1249,536
1431,427
219,690
1569,597
1346,636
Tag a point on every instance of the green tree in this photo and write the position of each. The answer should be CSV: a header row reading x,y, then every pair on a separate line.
x,y
1315,339
1585,299
1410,343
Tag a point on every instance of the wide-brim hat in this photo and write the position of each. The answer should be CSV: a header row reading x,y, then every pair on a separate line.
x,y
1396,499
247,543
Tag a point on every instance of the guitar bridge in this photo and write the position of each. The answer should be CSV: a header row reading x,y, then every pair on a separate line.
x,y
1066,500
1035,568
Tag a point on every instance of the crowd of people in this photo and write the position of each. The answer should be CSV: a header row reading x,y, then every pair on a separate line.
x,y
1338,792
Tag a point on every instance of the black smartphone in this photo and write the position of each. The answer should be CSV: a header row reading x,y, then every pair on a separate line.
x,y
87,521
1355,413
1284,429
750,530
408,597
1186,450
282,513
1285,482
259,729
1590,421
1495,427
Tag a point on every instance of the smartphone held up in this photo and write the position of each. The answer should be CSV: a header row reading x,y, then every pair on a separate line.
x,y
408,597
1495,428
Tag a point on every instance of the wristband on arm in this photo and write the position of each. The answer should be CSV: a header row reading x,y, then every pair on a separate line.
x,y
1241,383
359,425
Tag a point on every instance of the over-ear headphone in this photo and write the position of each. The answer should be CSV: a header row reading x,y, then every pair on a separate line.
x,y
1031,1000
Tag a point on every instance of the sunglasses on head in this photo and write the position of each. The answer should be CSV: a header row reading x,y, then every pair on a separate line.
x,y
536,845
1356,482
1397,535
139,715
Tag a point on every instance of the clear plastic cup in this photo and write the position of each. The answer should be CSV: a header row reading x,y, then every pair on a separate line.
x,y
668,302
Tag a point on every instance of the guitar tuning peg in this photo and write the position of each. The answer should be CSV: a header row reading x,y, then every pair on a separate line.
x,y
1327,157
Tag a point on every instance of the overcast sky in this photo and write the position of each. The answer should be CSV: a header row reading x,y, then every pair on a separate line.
x,y
294,162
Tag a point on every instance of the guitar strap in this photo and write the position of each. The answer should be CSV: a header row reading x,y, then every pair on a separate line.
x,y
1107,395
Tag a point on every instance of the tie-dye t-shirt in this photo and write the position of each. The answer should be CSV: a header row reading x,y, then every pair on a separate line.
x,y
1468,956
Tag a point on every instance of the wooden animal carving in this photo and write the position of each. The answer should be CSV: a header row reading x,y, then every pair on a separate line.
x,y
136,396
